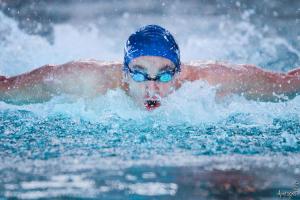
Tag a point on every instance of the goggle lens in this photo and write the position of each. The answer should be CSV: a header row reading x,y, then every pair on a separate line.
x,y
138,77
165,77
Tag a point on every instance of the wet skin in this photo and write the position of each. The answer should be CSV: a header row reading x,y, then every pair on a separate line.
x,y
91,78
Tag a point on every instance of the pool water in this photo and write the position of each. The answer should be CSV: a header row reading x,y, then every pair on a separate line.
x,y
189,148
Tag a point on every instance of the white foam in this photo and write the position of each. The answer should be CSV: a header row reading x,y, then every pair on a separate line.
x,y
194,104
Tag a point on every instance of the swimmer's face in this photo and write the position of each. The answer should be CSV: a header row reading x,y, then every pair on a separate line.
x,y
149,93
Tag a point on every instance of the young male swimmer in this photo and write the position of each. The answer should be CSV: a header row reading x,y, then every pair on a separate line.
x,y
151,70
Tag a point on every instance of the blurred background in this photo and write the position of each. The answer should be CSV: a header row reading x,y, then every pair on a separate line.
x,y
36,32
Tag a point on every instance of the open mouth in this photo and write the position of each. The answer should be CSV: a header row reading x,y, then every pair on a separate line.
x,y
152,104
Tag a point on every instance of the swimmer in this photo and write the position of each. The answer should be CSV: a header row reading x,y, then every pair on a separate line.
x,y
150,71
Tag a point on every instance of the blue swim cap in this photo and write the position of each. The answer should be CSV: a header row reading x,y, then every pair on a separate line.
x,y
151,40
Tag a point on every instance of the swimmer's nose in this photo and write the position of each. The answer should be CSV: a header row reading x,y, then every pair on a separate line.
x,y
152,86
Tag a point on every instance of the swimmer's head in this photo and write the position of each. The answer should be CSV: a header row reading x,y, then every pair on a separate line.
x,y
151,62
151,40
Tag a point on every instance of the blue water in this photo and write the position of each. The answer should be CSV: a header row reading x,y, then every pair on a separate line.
x,y
189,148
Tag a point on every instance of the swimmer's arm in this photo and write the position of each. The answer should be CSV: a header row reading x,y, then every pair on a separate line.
x,y
27,87
250,81
257,84
80,79
264,85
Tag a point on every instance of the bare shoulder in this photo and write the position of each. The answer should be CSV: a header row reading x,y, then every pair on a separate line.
x,y
213,71
78,77
96,75
222,66
196,70
90,69
91,64
219,67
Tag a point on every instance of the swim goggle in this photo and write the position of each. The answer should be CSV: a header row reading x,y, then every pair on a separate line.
x,y
164,77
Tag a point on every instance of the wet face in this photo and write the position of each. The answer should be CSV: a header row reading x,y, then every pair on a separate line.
x,y
149,93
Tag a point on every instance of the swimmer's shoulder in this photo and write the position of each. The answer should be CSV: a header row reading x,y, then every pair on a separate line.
x,y
193,70
200,63
208,69
200,68
216,68
90,67
92,63
215,64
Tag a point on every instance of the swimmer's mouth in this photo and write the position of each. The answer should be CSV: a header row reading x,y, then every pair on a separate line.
x,y
152,104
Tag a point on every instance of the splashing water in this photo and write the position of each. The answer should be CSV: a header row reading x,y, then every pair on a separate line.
x,y
109,148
